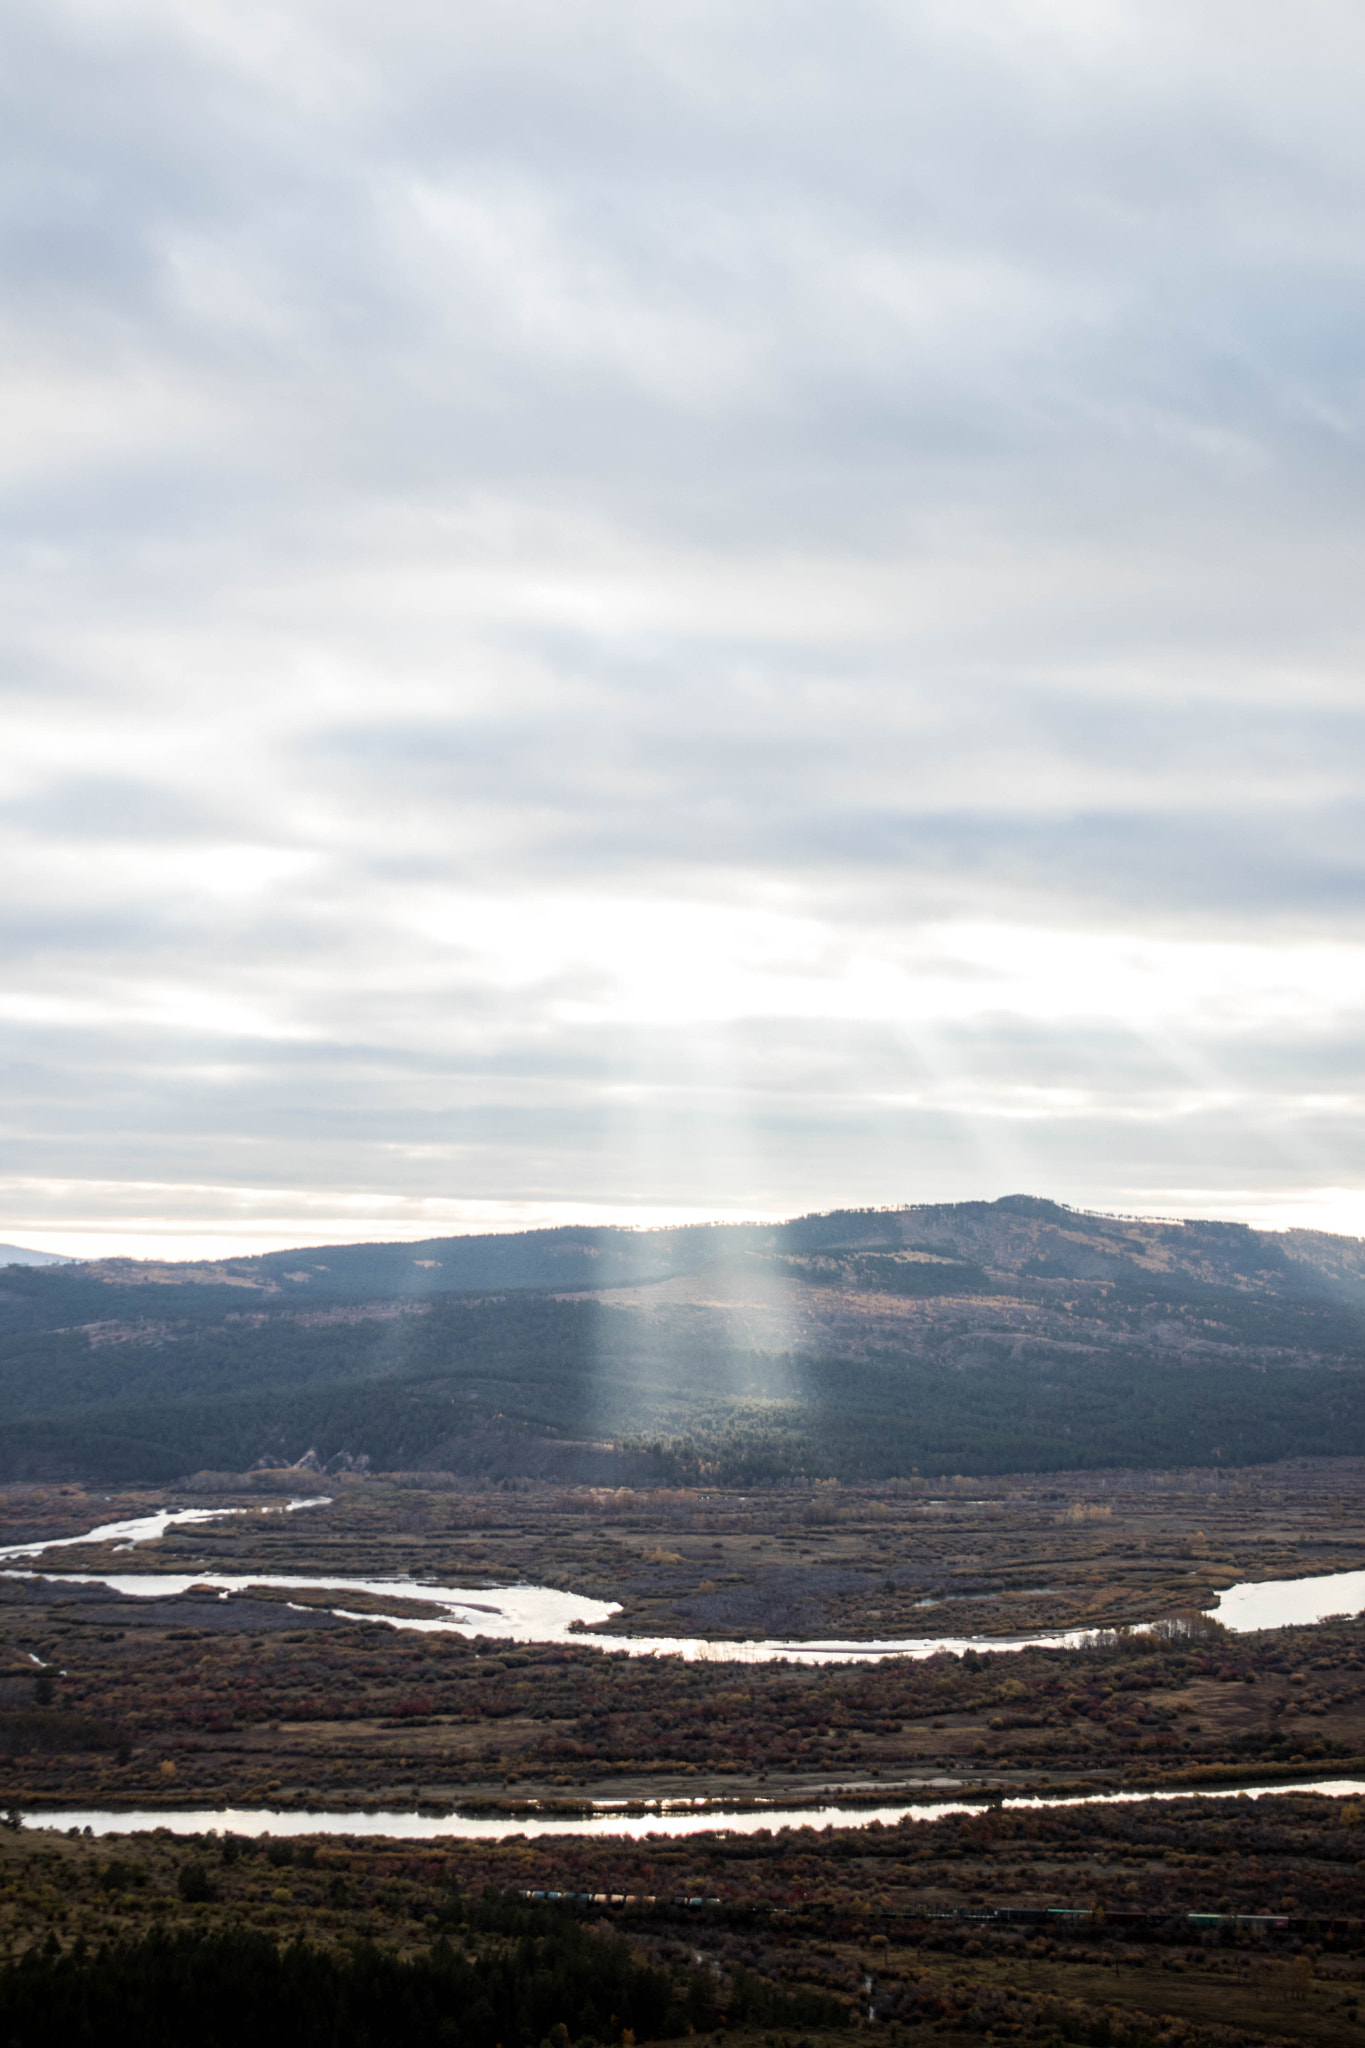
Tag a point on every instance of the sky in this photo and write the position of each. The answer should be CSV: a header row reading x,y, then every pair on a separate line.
x,y
674,609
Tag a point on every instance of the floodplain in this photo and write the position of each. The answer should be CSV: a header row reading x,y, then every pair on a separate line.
x,y
270,1690
269,1697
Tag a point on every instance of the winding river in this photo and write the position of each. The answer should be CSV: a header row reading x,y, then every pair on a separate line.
x,y
542,1614
605,1820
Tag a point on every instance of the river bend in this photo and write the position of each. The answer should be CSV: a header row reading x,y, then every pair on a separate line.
x,y
543,1614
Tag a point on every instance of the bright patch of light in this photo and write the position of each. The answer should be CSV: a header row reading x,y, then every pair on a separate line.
x,y
669,962
222,1222
1338,1211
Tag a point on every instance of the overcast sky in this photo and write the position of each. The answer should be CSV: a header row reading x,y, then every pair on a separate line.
x,y
678,608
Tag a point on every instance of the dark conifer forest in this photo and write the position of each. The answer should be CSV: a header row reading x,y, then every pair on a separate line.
x,y
988,1338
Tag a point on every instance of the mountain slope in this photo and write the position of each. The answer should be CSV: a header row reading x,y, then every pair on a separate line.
x,y
1005,1335
1019,1234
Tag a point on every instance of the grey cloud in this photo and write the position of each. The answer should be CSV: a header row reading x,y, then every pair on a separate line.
x,y
516,1127
865,466
694,191
110,808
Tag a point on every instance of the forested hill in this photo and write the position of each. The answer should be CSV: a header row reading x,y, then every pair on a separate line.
x,y
1019,1234
1015,1334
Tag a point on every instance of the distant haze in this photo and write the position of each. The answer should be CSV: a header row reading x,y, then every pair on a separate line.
x,y
680,612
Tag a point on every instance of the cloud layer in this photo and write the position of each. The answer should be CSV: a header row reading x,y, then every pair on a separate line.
x,y
622,610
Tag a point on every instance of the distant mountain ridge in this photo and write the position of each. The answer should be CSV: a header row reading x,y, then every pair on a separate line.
x,y
1021,1234
24,1255
1006,1335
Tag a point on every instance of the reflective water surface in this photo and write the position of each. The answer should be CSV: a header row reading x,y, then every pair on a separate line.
x,y
146,1528
604,1821
1290,1603
542,1614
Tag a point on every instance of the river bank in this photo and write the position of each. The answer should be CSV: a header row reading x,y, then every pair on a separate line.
x,y
1206,1921
258,1675
1002,1559
545,1614
629,1822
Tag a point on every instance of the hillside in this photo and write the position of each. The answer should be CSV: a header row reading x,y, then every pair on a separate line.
x,y
1015,1334
1019,1235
